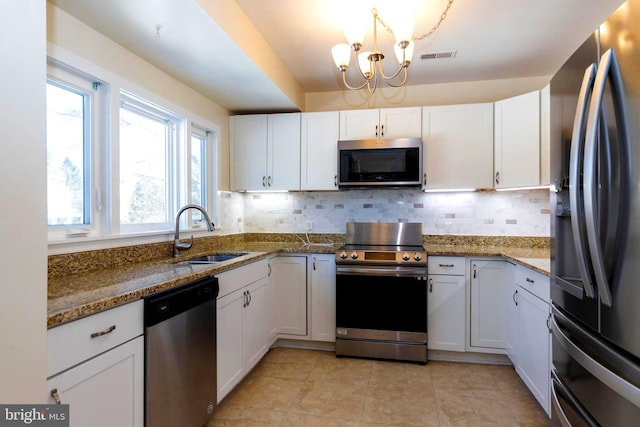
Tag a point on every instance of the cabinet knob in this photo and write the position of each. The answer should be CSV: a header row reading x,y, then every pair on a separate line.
x,y
498,178
56,396
264,181
425,179
382,130
430,285
335,180
376,130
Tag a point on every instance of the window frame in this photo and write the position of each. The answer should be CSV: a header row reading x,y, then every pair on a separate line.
x,y
106,230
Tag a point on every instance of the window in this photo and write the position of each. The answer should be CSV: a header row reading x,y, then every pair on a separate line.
x,y
121,175
199,164
147,148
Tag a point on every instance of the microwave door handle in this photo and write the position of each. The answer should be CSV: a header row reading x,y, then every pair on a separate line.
x,y
575,172
608,71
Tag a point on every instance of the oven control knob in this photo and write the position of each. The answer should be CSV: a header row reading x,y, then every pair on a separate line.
x,y
354,255
417,256
343,254
406,257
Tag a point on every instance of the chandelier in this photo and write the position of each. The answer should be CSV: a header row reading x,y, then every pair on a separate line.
x,y
370,63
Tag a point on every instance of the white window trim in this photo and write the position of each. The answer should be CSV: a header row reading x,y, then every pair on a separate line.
x,y
108,161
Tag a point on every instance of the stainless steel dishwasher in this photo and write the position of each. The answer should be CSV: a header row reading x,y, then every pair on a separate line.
x,y
180,355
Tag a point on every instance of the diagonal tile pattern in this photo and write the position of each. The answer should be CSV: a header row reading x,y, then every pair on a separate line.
x,y
292,387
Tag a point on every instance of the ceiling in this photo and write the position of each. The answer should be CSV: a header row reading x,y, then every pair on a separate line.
x,y
283,48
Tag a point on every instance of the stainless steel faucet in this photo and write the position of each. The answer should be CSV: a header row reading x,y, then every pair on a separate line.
x,y
177,244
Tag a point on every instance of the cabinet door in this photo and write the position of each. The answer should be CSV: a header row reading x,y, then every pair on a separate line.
x,y
229,340
255,323
400,122
319,148
249,150
290,278
107,390
323,298
458,146
534,344
513,319
283,171
517,141
488,311
545,136
272,303
359,124
446,312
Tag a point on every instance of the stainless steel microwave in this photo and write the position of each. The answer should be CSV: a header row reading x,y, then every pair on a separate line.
x,y
380,162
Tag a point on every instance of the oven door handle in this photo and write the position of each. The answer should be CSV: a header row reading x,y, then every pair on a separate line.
x,y
382,271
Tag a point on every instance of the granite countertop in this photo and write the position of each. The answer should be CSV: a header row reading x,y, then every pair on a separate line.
x,y
72,296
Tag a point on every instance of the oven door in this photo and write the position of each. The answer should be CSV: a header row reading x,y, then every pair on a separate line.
x,y
381,303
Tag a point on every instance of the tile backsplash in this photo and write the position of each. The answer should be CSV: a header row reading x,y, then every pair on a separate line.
x,y
490,213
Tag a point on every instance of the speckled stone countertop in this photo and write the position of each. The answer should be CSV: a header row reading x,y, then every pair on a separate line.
x,y
89,282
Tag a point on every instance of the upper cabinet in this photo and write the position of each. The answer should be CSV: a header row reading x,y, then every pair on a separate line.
x,y
318,149
517,141
545,136
458,146
265,151
383,123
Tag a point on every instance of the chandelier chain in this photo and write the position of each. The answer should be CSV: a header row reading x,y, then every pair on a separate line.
x,y
423,36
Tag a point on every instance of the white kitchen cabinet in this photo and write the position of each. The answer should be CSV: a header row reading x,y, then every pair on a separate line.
x,y
513,315
446,303
545,136
105,391
383,123
488,288
458,146
323,297
533,356
533,361
289,279
517,141
96,365
241,323
265,150
318,151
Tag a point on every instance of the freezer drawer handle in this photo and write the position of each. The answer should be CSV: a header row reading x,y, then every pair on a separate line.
x,y
105,332
559,389
611,380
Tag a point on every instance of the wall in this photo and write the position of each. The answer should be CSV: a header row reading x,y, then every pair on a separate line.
x,y
23,183
65,31
432,94
492,213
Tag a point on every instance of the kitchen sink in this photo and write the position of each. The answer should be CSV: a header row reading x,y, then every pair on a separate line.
x,y
215,258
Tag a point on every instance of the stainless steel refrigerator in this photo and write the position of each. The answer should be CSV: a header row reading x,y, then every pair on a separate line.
x,y
595,228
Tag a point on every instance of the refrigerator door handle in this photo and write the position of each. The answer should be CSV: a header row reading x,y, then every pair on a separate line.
x,y
607,377
575,172
608,71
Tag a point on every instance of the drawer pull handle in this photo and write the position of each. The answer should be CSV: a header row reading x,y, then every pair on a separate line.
x,y
56,396
530,280
105,332
445,265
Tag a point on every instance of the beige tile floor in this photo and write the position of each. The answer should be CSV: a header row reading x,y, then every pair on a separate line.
x,y
292,387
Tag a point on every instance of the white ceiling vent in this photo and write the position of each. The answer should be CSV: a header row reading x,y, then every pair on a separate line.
x,y
439,55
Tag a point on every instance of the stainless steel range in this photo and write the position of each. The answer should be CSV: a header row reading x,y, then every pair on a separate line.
x,y
381,292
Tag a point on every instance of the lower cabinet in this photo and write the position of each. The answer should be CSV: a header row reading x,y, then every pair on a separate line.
x,y
488,311
288,282
446,304
323,298
532,350
512,305
242,326
105,391
96,366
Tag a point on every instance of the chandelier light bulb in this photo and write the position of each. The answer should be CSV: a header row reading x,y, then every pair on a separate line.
x,y
403,28
364,64
341,55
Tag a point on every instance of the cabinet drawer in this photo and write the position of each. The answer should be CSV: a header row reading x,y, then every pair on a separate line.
x,y
452,265
534,282
232,280
72,343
